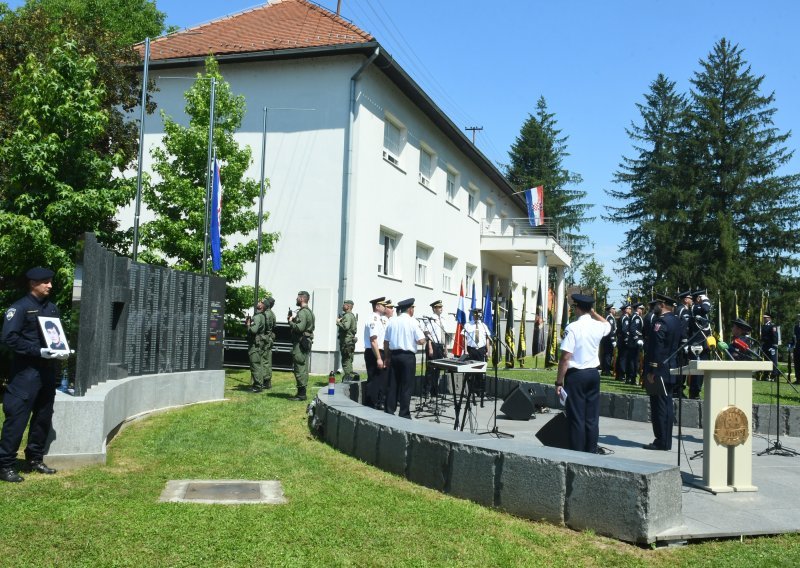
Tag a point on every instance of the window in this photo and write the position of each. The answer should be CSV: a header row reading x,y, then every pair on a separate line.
x,y
452,185
489,210
427,165
472,201
388,247
470,279
393,140
447,274
422,270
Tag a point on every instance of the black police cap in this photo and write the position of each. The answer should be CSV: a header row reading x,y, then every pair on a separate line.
x,y
437,304
739,322
39,273
582,300
405,304
684,295
377,300
666,299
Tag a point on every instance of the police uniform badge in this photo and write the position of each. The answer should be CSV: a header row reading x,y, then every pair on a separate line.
x,y
657,326
10,313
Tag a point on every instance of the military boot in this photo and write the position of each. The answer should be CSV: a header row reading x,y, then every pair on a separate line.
x,y
301,394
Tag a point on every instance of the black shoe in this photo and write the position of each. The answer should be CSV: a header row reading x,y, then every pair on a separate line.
x,y
38,467
301,394
10,474
255,389
651,447
267,386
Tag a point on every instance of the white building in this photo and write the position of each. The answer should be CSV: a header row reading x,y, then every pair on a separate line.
x,y
375,192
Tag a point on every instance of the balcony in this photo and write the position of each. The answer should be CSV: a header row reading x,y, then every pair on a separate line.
x,y
517,243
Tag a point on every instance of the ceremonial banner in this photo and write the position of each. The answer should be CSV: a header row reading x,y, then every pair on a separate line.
x,y
521,347
488,309
509,332
216,218
461,320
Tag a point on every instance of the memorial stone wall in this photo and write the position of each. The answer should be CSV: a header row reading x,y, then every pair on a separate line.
x,y
140,319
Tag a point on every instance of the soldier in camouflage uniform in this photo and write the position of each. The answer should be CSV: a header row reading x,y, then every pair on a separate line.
x,y
301,325
269,334
346,325
256,338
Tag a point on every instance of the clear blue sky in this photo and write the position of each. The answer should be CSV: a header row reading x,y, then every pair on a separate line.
x,y
486,64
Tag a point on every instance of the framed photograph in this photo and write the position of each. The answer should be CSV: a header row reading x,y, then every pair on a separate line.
x,y
53,333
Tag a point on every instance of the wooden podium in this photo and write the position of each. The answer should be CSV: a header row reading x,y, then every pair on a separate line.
x,y
727,422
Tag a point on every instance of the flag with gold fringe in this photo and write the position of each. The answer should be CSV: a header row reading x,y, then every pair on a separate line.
x,y
521,347
509,332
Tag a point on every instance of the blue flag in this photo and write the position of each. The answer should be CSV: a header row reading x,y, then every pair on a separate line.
x,y
488,315
216,214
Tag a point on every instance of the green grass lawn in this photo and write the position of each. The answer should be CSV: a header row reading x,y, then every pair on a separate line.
x,y
341,512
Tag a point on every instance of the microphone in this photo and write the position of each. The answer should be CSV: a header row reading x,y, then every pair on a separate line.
x,y
741,345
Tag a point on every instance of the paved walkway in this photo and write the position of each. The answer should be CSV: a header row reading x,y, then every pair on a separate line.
x,y
773,509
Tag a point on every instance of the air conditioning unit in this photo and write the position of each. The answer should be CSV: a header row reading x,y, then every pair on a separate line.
x,y
391,158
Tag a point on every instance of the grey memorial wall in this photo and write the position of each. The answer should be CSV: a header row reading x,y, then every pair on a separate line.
x,y
141,319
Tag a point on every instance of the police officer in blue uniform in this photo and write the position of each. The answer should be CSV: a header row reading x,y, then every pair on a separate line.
x,y
635,344
684,314
660,356
769,345
623,330
741,346
32,388
699,330
608,343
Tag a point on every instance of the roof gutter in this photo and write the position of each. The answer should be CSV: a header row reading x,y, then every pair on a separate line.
x,y
345,254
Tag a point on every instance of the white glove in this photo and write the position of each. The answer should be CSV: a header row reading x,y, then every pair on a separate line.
x,y
47,353
61,355
639,342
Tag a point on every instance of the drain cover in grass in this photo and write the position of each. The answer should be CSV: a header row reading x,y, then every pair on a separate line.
x,y
223,492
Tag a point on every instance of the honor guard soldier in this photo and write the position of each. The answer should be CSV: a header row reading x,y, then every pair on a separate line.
x,y
661,356
608,343
796,350
623,329
741,345
699,330
256,342
635,344
301,325
649,319
346,326
769,344
31,391
437,347
578,374
684,314
377,378
403,335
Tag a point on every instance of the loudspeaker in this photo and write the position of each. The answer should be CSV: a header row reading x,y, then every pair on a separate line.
x,y
518,405
555,433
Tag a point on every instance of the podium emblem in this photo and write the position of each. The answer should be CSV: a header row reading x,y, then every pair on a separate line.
x,y
731,427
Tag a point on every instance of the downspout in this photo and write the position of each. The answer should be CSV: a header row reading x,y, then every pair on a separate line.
x,y
345,256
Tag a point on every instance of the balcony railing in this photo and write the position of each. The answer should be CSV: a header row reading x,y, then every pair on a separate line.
x,y
521,227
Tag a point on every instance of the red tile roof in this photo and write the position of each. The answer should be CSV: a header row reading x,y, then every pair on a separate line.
x,y
280,24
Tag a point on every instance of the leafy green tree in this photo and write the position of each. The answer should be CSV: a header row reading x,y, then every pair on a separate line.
x,y
593,277
655,200
177,234
537,158
56,183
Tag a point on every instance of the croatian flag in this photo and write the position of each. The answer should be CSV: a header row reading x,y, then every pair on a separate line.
x,y
461,321
534,197
216,218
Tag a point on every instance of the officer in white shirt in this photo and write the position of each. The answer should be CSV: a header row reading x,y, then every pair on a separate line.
x,y
578,374
403,335
374,329
437,346
477,337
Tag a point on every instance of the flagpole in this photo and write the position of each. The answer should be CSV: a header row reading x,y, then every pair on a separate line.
x,y
261,205
209,172
142,114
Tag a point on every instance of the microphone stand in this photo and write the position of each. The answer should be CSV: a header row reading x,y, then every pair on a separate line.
x,y
776,448
495,431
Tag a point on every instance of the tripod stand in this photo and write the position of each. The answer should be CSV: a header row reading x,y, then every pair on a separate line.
x,y
495,431
775,448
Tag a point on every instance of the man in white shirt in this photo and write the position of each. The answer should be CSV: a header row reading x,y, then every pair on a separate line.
x,y
403,335
437,346
578,374
374,329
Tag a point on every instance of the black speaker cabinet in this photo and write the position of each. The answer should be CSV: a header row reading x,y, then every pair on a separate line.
x,y
555,433
518,405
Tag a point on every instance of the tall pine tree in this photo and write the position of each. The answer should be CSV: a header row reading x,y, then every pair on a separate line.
x,y
537,158
748,213
655,199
